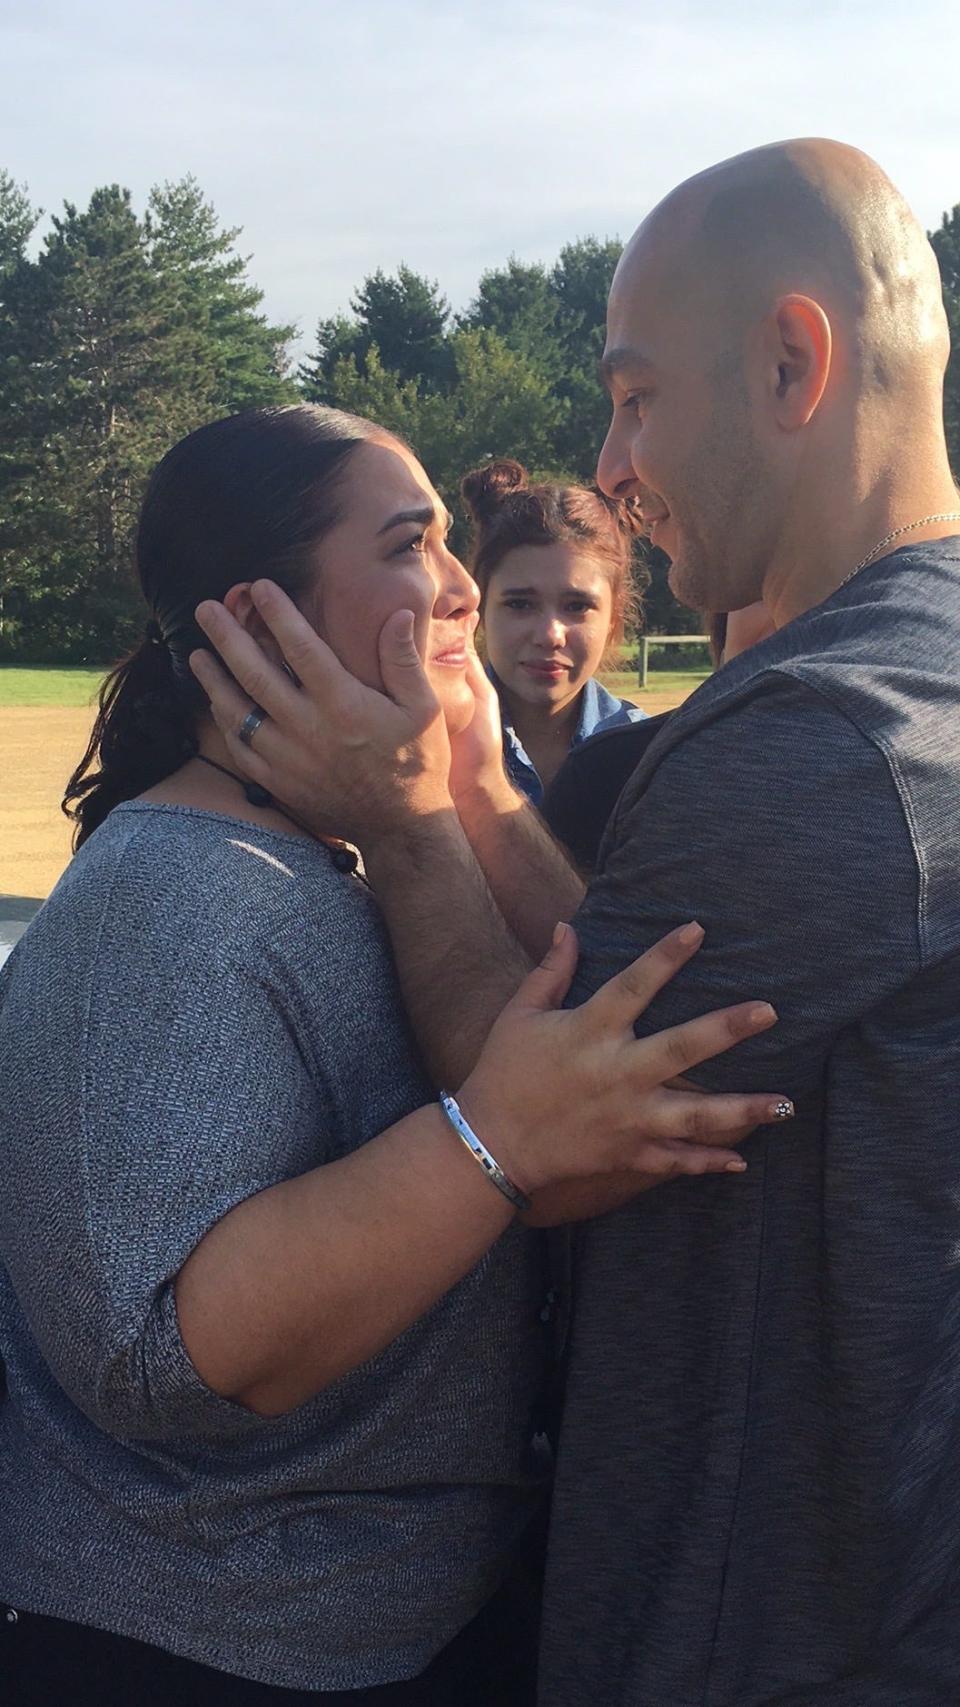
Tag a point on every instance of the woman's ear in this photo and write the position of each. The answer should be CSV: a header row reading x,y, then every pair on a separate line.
x,y
244,611
240,604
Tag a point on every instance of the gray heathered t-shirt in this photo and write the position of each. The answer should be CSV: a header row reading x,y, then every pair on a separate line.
x,y
759,1476
201,1009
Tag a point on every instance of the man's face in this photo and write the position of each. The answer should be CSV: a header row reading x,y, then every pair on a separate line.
x,y
682,436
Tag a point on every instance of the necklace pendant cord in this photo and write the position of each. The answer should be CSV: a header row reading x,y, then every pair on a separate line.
x,y
342,856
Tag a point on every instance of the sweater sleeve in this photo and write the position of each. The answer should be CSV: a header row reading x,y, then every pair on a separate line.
x,y
192,1092
778,826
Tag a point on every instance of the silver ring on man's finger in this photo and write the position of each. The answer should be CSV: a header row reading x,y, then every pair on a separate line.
x,y
251,724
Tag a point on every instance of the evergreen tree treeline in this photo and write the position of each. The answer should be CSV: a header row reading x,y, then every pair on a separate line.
x,y
125,332
122,335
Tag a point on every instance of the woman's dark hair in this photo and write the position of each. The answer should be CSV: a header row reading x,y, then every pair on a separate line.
x,y
245,497
509,511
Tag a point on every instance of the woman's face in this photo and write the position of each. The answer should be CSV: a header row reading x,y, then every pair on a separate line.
x,y
389,553
547,620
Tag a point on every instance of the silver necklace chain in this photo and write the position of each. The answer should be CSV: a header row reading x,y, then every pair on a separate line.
x,y
888,539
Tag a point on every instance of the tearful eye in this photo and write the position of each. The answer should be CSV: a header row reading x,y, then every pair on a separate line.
x,y
417,543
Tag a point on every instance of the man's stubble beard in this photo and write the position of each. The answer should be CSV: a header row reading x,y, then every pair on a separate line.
x,y
725,477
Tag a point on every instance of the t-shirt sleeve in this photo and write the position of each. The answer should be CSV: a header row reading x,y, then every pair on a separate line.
x,y
779,827
201,1099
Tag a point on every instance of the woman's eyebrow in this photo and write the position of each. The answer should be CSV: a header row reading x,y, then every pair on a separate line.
x,y
561,592
424,515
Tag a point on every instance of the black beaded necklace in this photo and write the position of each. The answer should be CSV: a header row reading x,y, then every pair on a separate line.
x,y
342,857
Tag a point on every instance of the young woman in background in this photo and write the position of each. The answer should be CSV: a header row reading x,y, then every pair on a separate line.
x,y
555,572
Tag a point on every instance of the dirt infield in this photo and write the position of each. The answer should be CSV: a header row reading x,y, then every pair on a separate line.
x,y
39,746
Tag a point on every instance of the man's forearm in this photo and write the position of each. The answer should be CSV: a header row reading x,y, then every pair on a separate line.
x,y
527,871
458,962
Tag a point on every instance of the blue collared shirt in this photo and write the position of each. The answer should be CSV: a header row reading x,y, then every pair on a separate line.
x,y
598,710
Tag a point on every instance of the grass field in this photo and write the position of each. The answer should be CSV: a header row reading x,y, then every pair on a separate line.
x,y
45,720
48,686
674,685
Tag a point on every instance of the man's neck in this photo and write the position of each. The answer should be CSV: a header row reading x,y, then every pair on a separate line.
x,y
822,556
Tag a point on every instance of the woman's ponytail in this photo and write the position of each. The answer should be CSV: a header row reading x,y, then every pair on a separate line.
x,y
144,731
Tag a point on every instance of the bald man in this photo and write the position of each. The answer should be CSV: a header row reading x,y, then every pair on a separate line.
x,y
759,1484
758,1489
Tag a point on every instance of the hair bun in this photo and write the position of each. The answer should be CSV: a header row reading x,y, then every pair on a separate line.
x,y
485,489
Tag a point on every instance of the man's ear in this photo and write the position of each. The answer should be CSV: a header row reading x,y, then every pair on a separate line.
x,y
798,351
244,611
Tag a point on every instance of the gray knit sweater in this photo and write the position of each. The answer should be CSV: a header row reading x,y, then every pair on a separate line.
x,y
201,1009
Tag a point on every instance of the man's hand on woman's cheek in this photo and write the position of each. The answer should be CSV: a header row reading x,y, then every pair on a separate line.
x,y
348,760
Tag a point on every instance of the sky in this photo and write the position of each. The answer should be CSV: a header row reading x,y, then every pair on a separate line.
x,y
346,135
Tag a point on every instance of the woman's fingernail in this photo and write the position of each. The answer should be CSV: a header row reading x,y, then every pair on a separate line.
x,y
783,1109
690,933
763,1014
559,932
737,1167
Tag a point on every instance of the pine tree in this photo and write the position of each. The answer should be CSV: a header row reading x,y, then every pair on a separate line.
x,y
497,405
404,316
118,339
207,280
109,376
17,499
520,304
17,221
339,339
500,404
581,281
369,389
